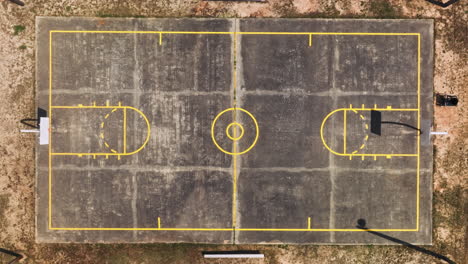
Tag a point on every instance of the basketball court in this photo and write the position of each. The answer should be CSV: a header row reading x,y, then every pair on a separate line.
x,y
234,130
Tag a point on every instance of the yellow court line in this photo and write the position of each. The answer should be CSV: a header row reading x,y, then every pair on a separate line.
x,y
310,40
236,32
234,146
242,33
344,131
125,130
356,110
159,223
230,229
308,223
148,134
50,130
419,136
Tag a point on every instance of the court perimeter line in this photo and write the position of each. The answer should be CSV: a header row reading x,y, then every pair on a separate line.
x,y
241,33
230,229
419,135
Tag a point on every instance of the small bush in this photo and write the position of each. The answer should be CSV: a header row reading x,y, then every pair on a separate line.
x,y
18,29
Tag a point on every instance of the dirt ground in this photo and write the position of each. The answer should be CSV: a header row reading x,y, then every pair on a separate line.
x,y
17,66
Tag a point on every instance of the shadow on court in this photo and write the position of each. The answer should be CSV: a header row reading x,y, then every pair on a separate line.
x,y
361,223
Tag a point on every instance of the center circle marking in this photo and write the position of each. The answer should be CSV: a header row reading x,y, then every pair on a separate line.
x,y
234,125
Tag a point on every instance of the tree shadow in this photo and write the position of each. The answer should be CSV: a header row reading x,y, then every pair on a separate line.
x,y
11,253
361,223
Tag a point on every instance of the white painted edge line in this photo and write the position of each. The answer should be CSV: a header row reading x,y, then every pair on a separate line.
x,y
233,256
438,133
44,131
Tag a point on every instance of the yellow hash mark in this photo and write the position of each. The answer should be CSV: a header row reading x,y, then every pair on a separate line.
x,y
102,125
362,146
354,151
308,223
310,40
102,135
105,143
375,157
367,127
159,222
113,110
113,151
367,137
354,111
118,157
389,157
106,116
362,157
362,117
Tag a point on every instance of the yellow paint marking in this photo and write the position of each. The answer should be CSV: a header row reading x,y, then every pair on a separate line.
x,y
102,135
80,105
310,40
159,223
389,157
113,150
107,156
257,131
389,107
308,223
240,33
362,157
366,138
118,157
125,130
102,125
350,106
160,39
362,146
375,105
106,116
105,143
94,156
107,102
229,229
355,151
120,103
362,117
113,110
362,106
350,157
344,131
50,132
375,157
94,103
354,111
419,136
367,127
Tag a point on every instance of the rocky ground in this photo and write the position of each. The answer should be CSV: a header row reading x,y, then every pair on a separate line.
x,y
17,66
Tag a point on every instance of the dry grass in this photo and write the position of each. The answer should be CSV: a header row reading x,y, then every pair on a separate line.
x,y
17,151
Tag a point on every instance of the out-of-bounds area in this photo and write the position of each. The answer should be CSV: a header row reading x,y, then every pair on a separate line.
x,y
233,133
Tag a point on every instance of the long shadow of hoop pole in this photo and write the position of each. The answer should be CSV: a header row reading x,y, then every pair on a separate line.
x,y
361,223
11,253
